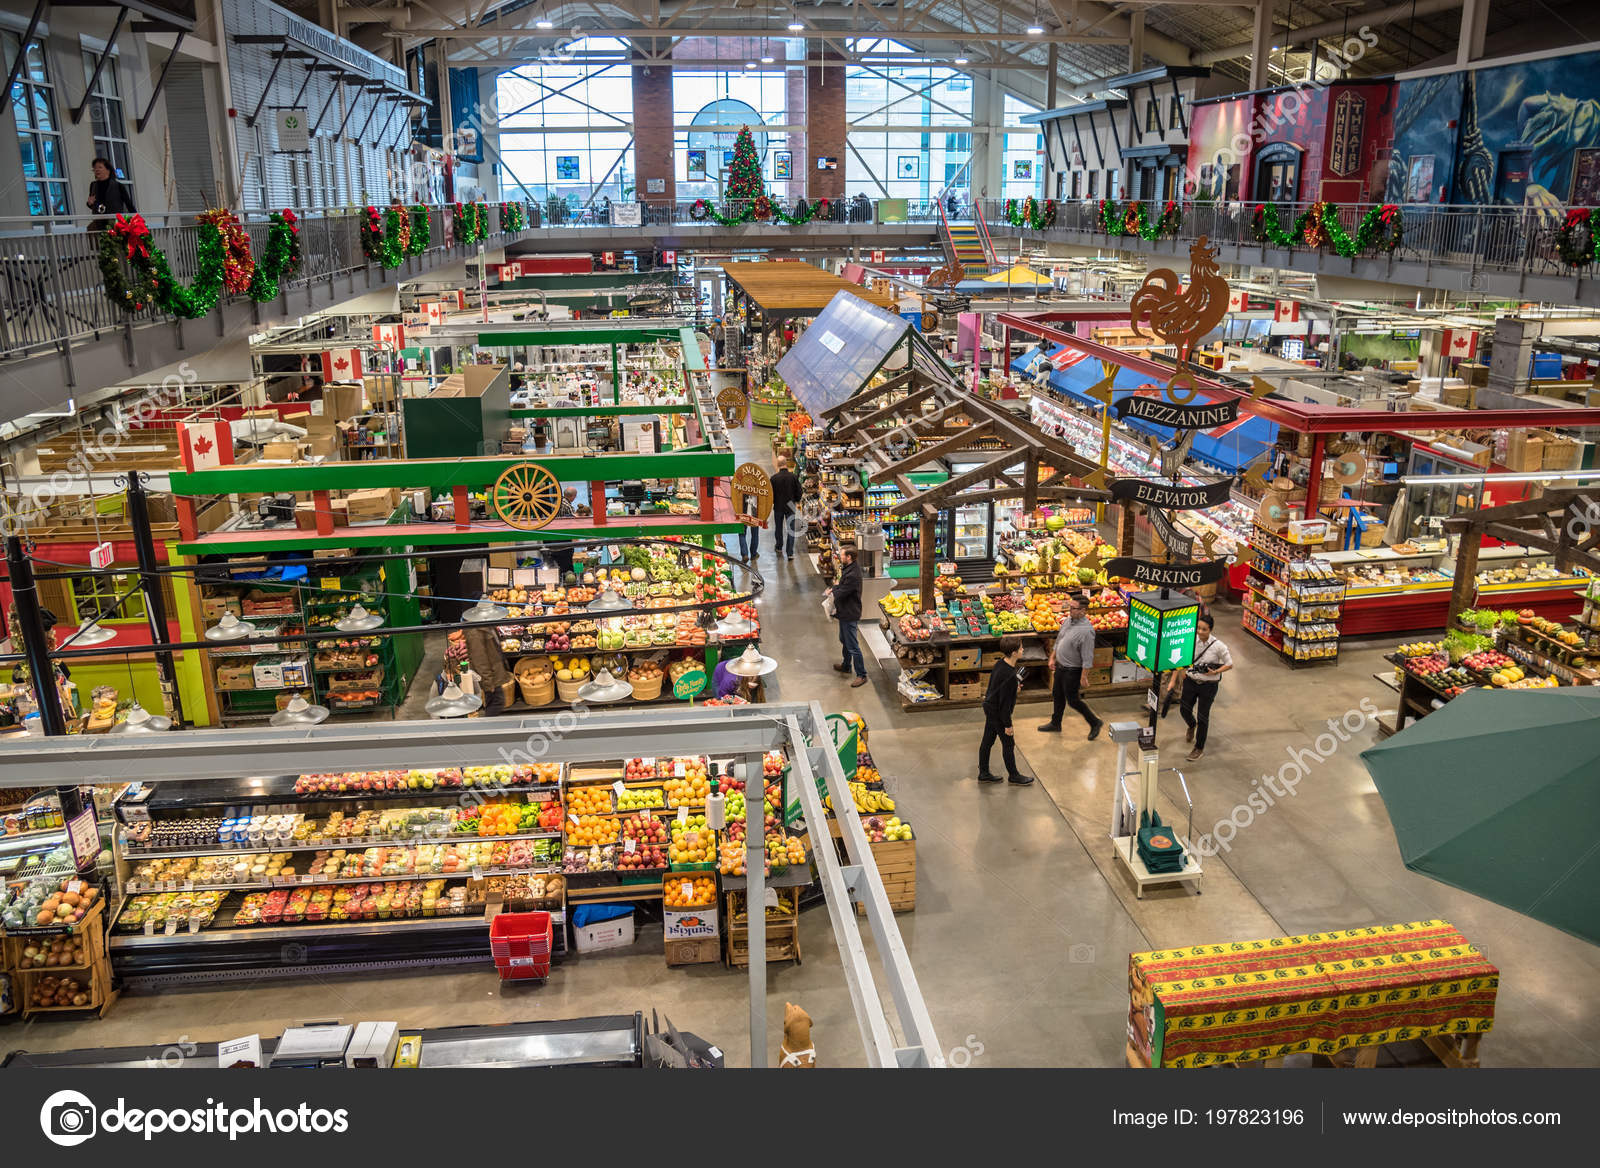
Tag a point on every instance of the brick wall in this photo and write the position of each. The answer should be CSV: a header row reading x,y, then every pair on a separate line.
x,y
652,127
825,132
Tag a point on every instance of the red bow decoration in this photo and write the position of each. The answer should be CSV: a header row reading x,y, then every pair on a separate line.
x,y
1577,215
135,233
1388,212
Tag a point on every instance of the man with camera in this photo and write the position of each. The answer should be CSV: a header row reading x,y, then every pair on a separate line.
x,y
1211,661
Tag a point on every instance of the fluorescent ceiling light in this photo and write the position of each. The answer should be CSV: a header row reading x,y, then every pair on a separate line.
x,y
796,26
767,60
544,22
961,60
1035,30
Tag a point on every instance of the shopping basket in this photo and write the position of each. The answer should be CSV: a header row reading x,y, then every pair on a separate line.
x,y
520,943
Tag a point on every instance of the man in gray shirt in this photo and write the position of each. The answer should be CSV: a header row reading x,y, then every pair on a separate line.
x,y
1072,657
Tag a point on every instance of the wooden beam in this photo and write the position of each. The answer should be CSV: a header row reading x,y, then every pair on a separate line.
x,y
866,395
1030,486
938,495
891,410
936,451
1549,502
1465,584
925,561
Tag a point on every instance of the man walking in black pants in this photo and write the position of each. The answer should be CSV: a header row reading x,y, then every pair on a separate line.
x,y
1211,660
785,507
998,702
1073,657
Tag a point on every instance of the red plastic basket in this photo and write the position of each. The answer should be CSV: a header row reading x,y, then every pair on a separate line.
x,y
521,943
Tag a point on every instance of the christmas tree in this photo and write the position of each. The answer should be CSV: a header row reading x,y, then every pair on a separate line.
x,y
744,180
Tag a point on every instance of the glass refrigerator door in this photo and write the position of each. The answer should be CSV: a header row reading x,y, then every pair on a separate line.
x,y
972,531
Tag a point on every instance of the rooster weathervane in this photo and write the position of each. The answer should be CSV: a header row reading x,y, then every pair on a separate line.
x,y
1181,316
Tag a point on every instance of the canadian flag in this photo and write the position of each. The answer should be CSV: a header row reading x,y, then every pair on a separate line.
x,y
508,272
669,257
341,365
1286,311
206,444
436,311
1237,301
461,297
389,336
1461,344
1067,358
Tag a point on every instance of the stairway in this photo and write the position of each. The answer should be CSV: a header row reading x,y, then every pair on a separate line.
x,y
963,243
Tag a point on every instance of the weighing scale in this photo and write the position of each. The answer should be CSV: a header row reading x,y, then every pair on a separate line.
x,y
1126,806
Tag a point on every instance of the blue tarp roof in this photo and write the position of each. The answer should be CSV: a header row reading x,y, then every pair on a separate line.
x,y
1230,449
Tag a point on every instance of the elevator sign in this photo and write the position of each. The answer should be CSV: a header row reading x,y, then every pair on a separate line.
x,y
1161,630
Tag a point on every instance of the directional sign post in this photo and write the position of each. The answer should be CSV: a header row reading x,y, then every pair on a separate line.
x,y
1161,630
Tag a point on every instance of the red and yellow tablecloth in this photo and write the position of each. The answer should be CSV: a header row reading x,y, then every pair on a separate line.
x,y
1323,992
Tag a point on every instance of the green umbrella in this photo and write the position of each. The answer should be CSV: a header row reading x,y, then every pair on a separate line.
x,y
1498,793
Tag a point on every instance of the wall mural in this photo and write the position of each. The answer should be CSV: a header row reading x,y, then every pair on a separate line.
x,y
1526,134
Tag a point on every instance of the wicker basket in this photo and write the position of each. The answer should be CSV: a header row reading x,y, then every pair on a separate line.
x,y
648,689
568,690
535,693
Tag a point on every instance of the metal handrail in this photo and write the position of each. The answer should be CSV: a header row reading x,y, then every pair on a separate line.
x,y
1477,238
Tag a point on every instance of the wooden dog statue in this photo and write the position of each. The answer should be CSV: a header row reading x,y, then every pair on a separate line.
x,y
796,1050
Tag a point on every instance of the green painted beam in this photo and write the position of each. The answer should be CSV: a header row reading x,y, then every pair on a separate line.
x,y
572,335
447,536
692,356
603,411
443,474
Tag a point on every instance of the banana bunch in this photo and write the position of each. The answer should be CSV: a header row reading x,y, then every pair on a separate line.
x,y
900,603
867,802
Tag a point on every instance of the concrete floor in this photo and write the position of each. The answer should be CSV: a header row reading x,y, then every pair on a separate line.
x,y
1024,920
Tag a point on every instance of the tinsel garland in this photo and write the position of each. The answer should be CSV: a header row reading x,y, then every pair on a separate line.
x,y
1030,213
280,258
129,241
380,237
1134,219
1576,240
421,230
802,213
472,221
512,217
238,265
1318,226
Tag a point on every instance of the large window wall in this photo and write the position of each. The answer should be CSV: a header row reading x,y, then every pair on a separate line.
x,y
909,126
1023,158
709,107
565,128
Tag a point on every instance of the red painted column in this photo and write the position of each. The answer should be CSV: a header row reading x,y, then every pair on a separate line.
x,y
463,506
188,521
1314,477
322,508
708,503
597,503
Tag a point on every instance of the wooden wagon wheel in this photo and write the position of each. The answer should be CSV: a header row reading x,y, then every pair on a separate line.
x,y
526,496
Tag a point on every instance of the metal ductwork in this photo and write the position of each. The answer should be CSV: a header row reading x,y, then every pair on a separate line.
x,y
1328,28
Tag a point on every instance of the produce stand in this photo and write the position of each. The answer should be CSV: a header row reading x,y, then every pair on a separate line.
x,y
1320,994
189,782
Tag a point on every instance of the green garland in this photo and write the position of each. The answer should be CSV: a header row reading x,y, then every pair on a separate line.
x,y
421,231
1318,226
380,237
129,241
1577,242
1031,213
1134,220
472,222
280,258
513,216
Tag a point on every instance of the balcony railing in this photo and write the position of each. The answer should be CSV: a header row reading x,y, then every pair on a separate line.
x,y
1476,238
52,292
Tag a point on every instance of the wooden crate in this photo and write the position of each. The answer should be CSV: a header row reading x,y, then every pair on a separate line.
x,y
94,974
897,867
782,936
693,951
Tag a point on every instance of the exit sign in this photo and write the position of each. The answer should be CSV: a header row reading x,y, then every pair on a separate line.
x,y
1161,630
100,556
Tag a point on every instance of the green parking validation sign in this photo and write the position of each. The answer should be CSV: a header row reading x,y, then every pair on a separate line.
x,y
1161,630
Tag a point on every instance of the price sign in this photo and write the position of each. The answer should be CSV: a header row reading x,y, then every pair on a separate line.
x,y
630,845
683,815
330,584
678,769
618,788
688,890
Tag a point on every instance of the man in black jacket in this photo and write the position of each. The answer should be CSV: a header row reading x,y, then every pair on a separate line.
x,y
847,611
998,702
785,506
